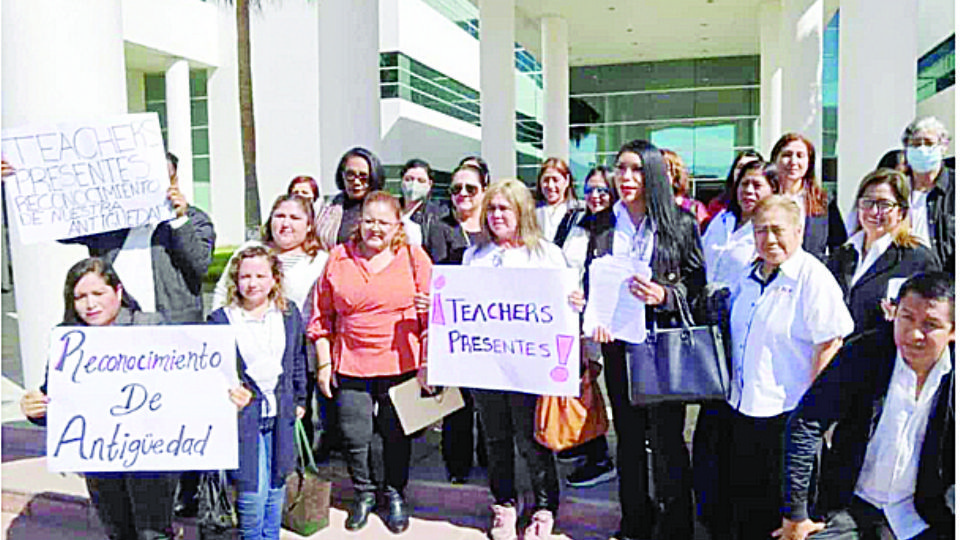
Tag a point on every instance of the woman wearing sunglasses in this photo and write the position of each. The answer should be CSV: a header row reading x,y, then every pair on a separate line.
x,y
593,457
457,232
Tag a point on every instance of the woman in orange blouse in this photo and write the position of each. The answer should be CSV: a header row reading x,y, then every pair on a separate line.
x,y
369,320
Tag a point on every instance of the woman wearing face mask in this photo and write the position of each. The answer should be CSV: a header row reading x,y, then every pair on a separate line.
x,y
358,173
796,158
932,201
882,249
558,209
420,215
130,505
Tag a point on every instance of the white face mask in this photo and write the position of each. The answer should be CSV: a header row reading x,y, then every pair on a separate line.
x,y
924,158
414,191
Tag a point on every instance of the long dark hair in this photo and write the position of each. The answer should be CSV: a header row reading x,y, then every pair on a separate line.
x,y
658,195
815,198
92,265
377,175
729,190
753,166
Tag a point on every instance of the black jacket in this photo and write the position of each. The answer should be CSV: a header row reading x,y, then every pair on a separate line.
x,y
180,259
940,219
428,216
682,271
448,241
821,234
864,297
850,394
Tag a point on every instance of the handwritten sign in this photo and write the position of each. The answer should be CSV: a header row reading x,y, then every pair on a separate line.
x,y
141,398
84,178
504,329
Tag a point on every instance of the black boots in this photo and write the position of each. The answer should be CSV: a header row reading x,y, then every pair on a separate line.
x,y
397,519
360,511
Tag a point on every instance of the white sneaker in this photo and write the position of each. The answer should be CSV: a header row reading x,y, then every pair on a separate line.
x,y
504,523
541,526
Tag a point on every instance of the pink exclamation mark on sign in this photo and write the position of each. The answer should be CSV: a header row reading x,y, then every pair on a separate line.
x,y
436,316
564,346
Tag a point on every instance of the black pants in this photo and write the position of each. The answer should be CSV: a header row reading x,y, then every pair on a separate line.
x,y
673,515
134,506
457,444
711,474
357,399
756,474
861,521
508,418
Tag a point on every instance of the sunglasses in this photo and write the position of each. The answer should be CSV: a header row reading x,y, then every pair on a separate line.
x,y
471,189
601,190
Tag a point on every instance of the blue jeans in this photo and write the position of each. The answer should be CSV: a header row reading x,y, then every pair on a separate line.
x,y
260,512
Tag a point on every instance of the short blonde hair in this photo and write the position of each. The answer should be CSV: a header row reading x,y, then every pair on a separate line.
x,y
233,275
780,202
518,195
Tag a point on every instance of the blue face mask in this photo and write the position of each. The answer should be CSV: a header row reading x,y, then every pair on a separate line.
x,y
924,158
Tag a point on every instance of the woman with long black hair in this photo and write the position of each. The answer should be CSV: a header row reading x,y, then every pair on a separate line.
x,y
647,225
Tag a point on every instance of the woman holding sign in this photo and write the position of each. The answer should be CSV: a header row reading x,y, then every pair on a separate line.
x,y
369,325
647,225
131,505
512,238
272,358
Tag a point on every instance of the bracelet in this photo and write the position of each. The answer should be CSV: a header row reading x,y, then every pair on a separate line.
x,y
328,364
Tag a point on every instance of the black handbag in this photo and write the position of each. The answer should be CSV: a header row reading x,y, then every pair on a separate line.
x,y
216,519
683,364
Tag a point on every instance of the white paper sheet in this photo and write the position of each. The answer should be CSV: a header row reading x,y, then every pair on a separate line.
x,y
611,304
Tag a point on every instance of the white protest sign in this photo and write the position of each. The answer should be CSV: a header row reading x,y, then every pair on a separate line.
x,y
504,329
141,398
80,178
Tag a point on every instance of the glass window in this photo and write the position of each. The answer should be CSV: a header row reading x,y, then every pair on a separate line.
x,y
198,83
155,87
198,112
200,142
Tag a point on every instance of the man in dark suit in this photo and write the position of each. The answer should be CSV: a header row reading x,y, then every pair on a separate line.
x,y
887,470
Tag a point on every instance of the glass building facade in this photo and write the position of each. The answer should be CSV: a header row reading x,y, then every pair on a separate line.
x,y
705,109
937,70
156,92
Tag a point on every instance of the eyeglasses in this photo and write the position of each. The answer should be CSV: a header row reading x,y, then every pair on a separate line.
x,y
350,176
919,142
471,189
600,190
882,205
379,223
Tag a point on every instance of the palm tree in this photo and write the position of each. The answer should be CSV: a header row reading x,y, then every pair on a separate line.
x,y
251,191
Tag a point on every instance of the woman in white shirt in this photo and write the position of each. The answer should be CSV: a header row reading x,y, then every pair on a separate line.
x,y
728,245
882,250
558,209
512,239
787,320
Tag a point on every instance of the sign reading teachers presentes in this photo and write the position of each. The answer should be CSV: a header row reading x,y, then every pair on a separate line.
x,y
141,398
81,178
504,329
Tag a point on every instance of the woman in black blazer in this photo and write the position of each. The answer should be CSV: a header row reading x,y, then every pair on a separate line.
x,y
881,250
795,157
646,224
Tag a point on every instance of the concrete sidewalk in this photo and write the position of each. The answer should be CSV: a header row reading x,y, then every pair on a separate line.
x,y
39,505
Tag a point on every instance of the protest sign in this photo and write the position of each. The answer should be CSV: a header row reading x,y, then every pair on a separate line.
x,y
141,398
75,179
504,329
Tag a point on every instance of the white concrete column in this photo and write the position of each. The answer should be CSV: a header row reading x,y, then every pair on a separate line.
x,y
498,98
179,137
802,65
556,87
877,86
349,81
771,75
93,63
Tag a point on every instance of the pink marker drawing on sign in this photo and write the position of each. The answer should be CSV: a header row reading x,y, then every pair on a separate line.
x,y
564,346
436,316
